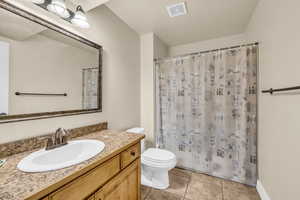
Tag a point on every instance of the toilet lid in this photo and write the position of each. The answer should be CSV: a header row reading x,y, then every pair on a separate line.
x,y
158,155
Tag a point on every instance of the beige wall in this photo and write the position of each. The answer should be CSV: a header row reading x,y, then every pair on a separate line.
x,y
275,24
4,77
121,77
147,87
151,47
160,48
207,45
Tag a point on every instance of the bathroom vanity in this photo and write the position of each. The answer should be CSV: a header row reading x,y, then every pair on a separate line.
x,y
112,174
115,178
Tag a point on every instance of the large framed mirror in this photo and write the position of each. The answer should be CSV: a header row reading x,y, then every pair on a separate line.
x,y
45,70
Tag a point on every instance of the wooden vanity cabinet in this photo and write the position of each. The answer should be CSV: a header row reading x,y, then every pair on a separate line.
x,y
125,186
91,198
89,182
115,179
130,155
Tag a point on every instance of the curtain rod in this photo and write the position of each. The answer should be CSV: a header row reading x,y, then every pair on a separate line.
x,y
207,51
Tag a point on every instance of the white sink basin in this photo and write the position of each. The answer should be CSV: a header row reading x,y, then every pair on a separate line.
x,y
73,153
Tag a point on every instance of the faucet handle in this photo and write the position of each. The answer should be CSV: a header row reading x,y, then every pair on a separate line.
x,y
65,132
57,139
50,143
62,131
59,131
62,135
65,136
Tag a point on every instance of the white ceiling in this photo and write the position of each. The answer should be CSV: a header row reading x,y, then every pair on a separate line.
x,y
16,27
206,19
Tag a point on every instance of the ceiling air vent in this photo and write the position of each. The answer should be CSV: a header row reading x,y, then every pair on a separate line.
x,y
177,9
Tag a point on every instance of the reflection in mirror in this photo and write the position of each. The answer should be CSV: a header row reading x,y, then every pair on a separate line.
x,y
42,70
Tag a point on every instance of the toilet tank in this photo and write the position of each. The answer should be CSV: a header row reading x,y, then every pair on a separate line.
x,y
138,131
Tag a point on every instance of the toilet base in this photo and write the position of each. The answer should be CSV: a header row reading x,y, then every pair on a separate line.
x,y
155,178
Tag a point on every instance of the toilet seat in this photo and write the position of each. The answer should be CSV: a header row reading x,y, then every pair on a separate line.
x,y
158,158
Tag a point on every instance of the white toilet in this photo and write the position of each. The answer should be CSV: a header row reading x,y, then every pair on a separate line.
x,y
156,164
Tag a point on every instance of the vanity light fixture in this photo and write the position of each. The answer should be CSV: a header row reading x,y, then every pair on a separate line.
x,y
78,18
59,7
38,1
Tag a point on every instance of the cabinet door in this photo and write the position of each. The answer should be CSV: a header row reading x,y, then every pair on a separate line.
x,y
130,155
86,184
91,198
125,186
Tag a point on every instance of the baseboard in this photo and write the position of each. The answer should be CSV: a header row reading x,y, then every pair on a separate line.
x,y
261,191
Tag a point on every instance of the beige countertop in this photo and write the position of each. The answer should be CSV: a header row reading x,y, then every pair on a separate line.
x,y
18,185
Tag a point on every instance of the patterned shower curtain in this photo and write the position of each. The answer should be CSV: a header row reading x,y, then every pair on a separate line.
x,y
207,108
90,88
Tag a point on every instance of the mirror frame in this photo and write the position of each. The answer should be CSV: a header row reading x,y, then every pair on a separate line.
x,y
44,115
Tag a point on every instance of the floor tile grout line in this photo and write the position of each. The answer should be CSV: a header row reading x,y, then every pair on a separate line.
x,y
187,186
147,194
184,177
222,190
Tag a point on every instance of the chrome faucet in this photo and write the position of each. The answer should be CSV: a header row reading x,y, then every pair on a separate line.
x,y
58,139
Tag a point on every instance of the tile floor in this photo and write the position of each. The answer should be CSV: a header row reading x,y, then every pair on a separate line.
x,y
186,185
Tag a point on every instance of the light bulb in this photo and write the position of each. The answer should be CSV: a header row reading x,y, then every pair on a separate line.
x,y
59,7
38,1
80,18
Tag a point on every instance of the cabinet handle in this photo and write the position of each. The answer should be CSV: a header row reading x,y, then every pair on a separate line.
x,y
132,153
